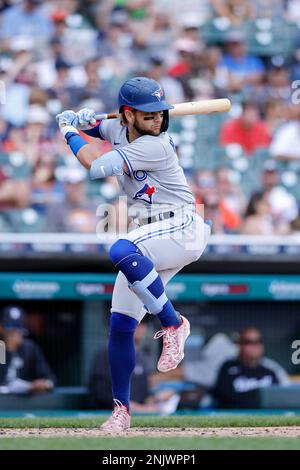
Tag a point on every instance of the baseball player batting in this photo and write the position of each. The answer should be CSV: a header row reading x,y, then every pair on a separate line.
x,y
164,221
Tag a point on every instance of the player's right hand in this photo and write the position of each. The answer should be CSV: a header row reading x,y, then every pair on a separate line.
x,y
85,117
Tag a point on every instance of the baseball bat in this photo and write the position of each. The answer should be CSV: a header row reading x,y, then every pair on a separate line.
x,y
220,105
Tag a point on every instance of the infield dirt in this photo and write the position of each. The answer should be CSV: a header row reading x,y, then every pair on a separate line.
x,y
281,431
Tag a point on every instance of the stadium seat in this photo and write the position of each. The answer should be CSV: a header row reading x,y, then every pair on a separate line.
x,y
215,30
25,220
14,165
269,38
5,224
264,37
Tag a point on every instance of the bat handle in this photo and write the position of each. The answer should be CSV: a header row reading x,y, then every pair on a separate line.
x,y
101,116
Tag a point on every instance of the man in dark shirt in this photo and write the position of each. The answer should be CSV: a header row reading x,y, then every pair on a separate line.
x,y
26,369
239,380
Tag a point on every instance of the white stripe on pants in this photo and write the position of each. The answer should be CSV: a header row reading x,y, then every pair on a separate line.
x,y
169,255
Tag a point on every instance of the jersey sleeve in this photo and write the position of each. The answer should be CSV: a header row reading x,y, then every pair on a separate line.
x,y
105,130
145,153
108,128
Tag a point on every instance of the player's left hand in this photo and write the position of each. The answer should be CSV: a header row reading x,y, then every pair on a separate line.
x,y
67,118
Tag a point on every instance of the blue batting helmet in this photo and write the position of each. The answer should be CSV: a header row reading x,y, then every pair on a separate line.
x,y
144,94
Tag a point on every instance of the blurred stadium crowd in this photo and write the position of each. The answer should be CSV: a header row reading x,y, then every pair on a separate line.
x,y
69,54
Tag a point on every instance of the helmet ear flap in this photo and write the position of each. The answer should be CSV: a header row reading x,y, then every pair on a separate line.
x,y
165,123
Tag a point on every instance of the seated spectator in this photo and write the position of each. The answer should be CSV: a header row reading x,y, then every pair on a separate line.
x,y
60,88
14,193
248,130
286,141
258,217
172,87
188,51
94,87
100,393
284,206
230,191
115,35
220,217
295,69
30,139
223,218
36,141
275,114
277,84
46,189
163,33
213,78
246,70
26,369
293,10
48,68
236,11
27,18
240,379
76,214
196,376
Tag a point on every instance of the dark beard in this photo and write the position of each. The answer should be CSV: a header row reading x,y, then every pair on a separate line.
x,y
141,132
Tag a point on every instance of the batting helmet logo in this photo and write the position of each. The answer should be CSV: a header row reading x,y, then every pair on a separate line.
x,y
158,94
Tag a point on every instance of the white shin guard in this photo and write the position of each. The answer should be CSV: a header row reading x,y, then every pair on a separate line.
x,y
140,288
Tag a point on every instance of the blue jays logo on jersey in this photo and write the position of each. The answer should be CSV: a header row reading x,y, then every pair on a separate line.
x,y
158,94
145,193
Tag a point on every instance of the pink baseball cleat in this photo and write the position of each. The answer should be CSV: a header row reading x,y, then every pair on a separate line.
x,y
119,420
173,345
